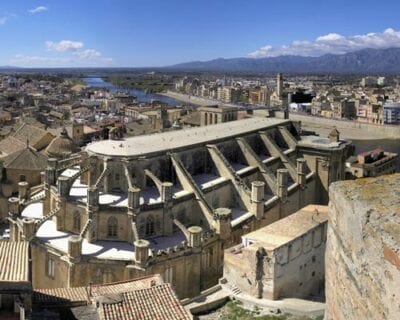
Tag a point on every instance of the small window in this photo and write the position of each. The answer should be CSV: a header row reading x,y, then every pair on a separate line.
x,y
169,274
77,221
112,227
51,267
150,226
22,178
313,274
117,177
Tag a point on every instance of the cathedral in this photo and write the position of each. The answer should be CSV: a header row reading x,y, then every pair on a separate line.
x,y
169,203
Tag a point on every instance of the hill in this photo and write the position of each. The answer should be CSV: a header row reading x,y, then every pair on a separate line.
x,y
366,61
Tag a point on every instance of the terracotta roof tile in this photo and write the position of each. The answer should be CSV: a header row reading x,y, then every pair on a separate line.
x,y
155,303
79,295
26,158
10,145
33,133
14,261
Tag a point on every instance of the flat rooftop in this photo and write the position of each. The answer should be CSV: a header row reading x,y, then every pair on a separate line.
x,y
287,229
172,140
320,142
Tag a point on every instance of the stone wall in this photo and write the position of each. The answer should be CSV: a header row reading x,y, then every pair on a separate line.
x,y
363,250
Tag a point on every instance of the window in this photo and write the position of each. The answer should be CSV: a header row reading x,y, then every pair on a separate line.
x,y
77,221
149,226
22,178
117,177
108,276
209,258
112,227
169,274
51,267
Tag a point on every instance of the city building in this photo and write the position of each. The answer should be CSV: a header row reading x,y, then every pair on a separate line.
x,y
368,81
217,114
372,164
391,113
25,165
282,260
169,203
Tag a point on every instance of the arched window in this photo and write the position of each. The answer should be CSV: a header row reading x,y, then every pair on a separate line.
x,y
112,227
149,226
77,221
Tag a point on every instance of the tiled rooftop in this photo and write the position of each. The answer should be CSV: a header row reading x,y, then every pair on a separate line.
x,y
155,303
68,296
14,261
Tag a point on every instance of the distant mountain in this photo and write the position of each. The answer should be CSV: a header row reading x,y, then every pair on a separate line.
x,y
366,61
8,68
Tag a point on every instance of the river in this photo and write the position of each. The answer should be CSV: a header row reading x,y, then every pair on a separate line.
x,y
141,96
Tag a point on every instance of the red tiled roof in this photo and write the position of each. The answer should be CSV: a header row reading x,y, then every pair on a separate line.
x,y
155,303
79,295
14,263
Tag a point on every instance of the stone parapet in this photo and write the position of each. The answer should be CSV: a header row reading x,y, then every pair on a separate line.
x,y
362,259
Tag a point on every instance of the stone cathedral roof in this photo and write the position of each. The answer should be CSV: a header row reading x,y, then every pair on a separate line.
x,y
174,140
61,146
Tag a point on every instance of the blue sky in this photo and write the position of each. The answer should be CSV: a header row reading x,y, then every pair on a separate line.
x,y
130,33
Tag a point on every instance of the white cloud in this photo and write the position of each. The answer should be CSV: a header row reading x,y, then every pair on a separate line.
x,y
88,54
92,55
75,60
65,53
3,20
332,43
26,60
39,9
64,45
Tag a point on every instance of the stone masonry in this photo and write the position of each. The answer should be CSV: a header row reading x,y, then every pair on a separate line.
x,y
363,250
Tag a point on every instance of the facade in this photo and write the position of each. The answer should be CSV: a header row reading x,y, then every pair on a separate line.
x,y
228,94
391,113
217,114
282,260
170,203
372,164
259,95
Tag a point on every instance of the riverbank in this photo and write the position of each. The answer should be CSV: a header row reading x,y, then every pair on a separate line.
x,y
199,101
140,95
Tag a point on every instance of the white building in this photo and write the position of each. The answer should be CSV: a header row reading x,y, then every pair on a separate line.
x,y
391,112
